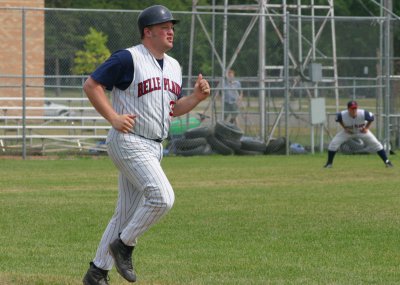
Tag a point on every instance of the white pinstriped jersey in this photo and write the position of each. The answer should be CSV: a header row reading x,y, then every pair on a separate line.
x,y
152,94
357,123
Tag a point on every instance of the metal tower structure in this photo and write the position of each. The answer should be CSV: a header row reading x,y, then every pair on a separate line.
x,y
293,14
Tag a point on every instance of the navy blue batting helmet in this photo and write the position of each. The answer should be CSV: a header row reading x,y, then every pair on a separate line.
x,y
153,15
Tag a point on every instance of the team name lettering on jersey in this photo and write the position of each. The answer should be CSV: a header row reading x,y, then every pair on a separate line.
x,y
153,84
172,86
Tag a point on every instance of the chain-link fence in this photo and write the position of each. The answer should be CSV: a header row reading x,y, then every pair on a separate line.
x,y
282,61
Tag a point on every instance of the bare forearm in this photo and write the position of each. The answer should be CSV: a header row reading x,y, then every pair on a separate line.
x,y
99,100
185,105
201,91
95,92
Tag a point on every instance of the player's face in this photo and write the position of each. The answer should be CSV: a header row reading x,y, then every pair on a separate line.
x,y
353,112
163,35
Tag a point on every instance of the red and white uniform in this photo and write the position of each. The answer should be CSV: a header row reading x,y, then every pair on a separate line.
x,y
145,194
151,95
353,129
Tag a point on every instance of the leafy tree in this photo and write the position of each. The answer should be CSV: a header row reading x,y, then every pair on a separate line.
x,y
181,5
95,53
122,31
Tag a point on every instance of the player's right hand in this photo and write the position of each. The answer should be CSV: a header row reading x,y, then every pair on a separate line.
x,y
124,123
348,130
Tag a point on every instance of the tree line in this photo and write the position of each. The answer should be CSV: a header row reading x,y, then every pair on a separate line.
x,y
71,36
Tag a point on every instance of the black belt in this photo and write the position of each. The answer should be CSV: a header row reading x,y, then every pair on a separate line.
x,y
156,140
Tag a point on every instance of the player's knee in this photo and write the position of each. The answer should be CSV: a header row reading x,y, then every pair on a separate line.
x,y
163,205
160,197
333,148
334,145
168,200
378,146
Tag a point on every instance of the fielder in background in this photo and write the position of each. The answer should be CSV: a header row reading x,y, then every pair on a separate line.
x,y
355,123
146,87
233,96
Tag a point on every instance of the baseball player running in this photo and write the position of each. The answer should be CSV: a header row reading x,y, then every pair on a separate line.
x,y
146,87
355,123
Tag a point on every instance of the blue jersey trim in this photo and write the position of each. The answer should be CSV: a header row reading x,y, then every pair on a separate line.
x,y
339,117
116,71
369,117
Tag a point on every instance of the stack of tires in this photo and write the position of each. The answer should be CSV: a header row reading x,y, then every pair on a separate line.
x,y
227,139
276,146
252,146
193,142
222,138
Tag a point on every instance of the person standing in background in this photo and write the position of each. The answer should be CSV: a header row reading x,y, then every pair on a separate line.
x,y
233,96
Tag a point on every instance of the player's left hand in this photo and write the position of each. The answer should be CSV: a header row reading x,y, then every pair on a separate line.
x,y
364,130
201,88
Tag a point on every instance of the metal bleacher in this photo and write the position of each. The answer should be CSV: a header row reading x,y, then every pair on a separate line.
x,y
75,127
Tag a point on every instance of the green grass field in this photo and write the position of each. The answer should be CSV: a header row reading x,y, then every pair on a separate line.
x,y
236,220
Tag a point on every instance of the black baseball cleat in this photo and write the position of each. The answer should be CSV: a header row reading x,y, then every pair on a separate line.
x,y
388,163
95,276
122,255
328,165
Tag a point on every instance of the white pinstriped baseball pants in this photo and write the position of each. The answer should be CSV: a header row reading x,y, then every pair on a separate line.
x,y
144,192
342,136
